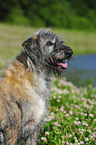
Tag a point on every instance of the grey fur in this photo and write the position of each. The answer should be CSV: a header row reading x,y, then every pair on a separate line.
x,y
24,87
43,58
41,54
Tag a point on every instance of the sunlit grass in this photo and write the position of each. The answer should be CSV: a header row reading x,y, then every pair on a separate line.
x,y
82,42
11,38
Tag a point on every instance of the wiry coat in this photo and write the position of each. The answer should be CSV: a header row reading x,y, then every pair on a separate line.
x,y
24,89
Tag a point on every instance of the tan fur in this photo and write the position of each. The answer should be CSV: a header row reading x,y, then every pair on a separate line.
x,y
34,37
19,84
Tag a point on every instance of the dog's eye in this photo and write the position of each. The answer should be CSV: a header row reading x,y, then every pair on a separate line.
x,y
49,43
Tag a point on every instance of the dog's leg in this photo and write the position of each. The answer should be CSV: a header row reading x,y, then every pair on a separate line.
x,y
8,137
32,139
11,135
1,138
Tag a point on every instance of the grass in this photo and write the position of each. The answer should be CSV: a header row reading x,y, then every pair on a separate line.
x,y
72,113
11,38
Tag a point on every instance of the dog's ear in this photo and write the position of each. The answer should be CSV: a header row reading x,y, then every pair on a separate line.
x,y
30,44
27,43
31,47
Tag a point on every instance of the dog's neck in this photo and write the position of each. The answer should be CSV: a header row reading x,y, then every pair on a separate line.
x,y
22,58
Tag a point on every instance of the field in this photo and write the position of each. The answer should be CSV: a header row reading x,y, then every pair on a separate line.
x,y
11,38
72,113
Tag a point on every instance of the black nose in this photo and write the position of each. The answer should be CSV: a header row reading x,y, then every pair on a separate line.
x,y
68,52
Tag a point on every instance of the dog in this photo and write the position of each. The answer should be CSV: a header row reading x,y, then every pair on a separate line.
x,y
24,86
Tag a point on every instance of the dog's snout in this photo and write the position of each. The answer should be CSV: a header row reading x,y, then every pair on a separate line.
x,y
68,51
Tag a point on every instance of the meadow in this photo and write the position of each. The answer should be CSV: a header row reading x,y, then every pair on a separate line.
x,y
72,116
72,113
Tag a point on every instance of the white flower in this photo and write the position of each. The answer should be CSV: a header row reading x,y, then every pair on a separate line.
x,y
91,115
86,139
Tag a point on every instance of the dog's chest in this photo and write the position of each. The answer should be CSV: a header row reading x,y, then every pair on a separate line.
x,y
34,110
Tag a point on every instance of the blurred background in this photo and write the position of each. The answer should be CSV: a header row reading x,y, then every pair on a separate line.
x,y
75,20
69,14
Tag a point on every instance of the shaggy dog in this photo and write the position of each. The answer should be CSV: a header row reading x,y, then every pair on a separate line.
x,y
24,86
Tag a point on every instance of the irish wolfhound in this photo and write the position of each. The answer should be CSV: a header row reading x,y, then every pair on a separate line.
x,y
24,86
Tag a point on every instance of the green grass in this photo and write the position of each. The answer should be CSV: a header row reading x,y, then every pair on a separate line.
x,y
72,113
11,38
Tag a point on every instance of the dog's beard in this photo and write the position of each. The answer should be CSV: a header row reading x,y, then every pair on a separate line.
x,y
56,67
55,62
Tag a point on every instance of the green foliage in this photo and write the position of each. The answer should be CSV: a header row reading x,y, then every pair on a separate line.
x,y
16,17
63,13
83,23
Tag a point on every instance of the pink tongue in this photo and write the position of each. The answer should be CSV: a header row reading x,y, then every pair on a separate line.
x,y
63,64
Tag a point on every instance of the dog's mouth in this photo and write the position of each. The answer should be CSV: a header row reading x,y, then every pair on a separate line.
x,y
60,64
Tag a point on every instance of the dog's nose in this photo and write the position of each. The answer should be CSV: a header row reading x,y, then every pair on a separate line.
x,y
68,52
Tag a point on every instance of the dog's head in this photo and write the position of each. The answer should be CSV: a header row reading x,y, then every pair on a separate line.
x,y
47,51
